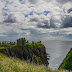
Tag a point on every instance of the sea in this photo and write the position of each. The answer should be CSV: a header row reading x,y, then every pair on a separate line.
x,y
57,51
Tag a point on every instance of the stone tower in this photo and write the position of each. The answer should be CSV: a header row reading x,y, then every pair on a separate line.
x,y
21,42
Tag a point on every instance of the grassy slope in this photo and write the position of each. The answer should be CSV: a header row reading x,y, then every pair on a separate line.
x,y
16,65
67,62
5,45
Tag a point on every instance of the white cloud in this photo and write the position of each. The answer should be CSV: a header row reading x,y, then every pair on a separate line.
x,y
35,23
66,21
47,1
63,1
33,1
14,17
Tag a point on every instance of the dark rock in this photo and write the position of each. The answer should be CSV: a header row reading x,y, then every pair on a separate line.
x,y
36,53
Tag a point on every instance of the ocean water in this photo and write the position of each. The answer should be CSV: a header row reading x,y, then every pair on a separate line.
x,y
57,51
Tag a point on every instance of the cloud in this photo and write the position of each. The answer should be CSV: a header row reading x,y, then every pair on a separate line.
x,y
52,23
47,0
66,22
35,18
22,1
43,24
11,33
14,17
33,1
42,21
69,10
1,13
63,1
10,19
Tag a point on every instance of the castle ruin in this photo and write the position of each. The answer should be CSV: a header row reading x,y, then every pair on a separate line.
x,y
21,42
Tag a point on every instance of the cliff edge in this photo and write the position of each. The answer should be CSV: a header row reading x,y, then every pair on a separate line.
x,y
67,62
35,53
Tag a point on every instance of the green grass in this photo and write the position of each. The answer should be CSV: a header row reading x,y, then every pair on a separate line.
x,y
67,62
5,45
37,58
16,65
36,44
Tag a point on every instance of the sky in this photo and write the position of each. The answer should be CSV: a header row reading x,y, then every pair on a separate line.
x,y
35,20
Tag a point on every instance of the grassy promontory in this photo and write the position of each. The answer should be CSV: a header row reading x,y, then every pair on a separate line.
x,y
29,58
35,53
16,65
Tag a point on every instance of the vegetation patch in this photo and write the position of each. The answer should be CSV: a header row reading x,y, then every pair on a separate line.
x,y
16,65
67,62
5,45
34,52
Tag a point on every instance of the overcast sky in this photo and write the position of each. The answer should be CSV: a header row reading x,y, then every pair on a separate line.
x,y
35,19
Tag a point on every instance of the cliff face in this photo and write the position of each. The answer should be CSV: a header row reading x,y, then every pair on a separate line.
x,y
67,62
35,53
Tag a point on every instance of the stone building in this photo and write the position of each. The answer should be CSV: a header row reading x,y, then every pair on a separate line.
x,y
21,42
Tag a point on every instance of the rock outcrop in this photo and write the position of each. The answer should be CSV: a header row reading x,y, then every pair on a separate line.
x,y
35,53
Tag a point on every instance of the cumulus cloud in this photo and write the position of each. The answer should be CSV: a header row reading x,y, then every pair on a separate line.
x,y
44,24
35,18
42,21
47,0
22,1
66,22
14,17
11,33
52,23
1,14
69,10
10,19
63,1
33,1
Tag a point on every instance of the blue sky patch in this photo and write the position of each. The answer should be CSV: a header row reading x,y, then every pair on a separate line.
x,y
22,2
46,12
5,14
30,13
4,9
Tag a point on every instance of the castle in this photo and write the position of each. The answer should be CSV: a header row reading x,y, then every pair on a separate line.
x,y
21,42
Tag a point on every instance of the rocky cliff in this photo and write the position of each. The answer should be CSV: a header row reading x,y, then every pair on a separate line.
x,y
35,53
